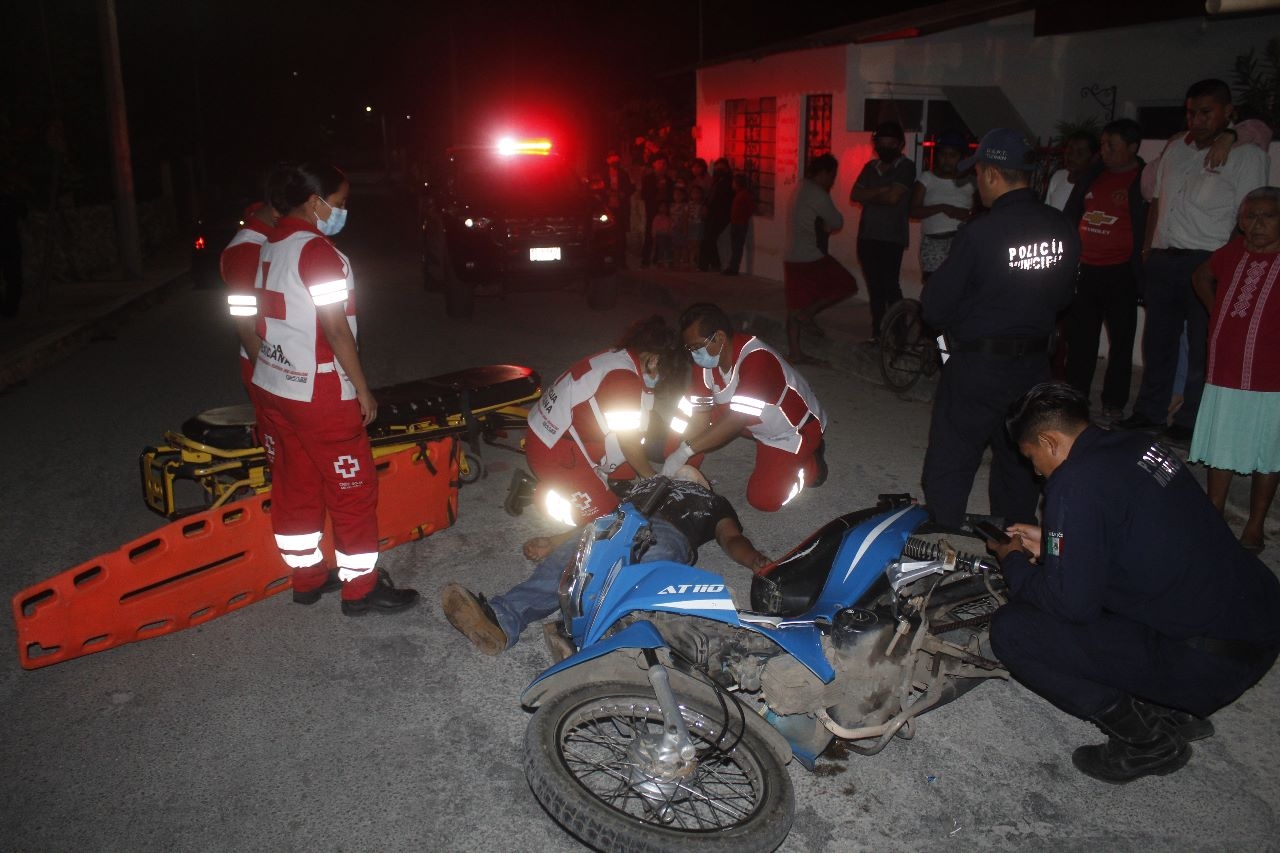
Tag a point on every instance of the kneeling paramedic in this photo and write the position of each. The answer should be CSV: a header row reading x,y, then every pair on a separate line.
x,y
742,386
588,427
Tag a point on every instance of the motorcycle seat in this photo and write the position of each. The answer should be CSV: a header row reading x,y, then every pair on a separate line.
x,y
226,428
792,584
457,393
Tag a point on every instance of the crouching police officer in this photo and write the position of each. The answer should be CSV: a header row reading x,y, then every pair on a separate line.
x,y
996,297
1136,607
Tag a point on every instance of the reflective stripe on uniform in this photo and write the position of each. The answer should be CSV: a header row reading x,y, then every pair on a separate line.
x,y
746,405
622,421
242,304
299,550
329,293
352,566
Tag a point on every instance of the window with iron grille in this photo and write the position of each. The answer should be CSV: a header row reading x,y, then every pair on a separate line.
x,y
817,127
750,139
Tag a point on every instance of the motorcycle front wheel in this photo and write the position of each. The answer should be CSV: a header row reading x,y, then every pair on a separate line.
x,y
584,762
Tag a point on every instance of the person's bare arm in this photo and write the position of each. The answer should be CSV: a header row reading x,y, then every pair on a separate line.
x,y
633,451
734,542
720,433
246,331
887,196
333,322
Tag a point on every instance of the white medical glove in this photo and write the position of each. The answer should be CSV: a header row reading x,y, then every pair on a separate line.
x,y
676,460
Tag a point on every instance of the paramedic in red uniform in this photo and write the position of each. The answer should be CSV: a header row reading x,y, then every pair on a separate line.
x,y
748,388
239,263
589,425
314,402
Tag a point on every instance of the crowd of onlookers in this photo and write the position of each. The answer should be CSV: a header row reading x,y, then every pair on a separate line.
x,y
1148,230
687,208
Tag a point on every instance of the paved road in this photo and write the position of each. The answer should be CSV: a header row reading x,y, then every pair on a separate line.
x,y
281,727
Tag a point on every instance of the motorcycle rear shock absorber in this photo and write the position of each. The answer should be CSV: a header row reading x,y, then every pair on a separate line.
x,y
920,549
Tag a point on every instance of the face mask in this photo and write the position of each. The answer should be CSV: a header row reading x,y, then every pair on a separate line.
x,y
650,381
704,359
332,225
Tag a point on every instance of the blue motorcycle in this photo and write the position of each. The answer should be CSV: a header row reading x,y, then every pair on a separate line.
x,y
668,724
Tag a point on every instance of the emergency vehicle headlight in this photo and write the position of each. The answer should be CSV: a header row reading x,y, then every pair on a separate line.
x,y
508,146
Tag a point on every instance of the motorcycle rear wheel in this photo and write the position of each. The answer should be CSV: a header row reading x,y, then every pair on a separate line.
x,y
580,766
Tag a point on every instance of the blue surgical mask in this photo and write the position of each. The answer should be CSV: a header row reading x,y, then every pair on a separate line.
x,y
332,225
702,358
650,381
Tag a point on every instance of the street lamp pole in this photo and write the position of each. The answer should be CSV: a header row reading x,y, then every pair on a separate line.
x,y
127,238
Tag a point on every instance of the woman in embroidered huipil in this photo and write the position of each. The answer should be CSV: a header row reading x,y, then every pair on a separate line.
x,y
1238,426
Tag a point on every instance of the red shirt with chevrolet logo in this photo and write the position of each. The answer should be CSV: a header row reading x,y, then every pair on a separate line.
x,y
1106,229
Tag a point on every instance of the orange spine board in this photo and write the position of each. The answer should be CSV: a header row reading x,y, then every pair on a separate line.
x,y
202,566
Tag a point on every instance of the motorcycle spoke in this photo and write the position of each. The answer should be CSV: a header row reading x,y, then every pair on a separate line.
x,y
595,749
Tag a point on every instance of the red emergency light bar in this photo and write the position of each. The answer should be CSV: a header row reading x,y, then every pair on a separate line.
x,y
508,146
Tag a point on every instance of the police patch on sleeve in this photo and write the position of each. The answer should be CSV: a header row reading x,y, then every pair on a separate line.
x,y
1053,547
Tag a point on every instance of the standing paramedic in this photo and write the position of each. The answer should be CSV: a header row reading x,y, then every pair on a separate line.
x,y
742,386
996,298
1133,606
589,425
313,400
239,266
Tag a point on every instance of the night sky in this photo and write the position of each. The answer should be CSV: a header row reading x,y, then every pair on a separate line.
x,y
228,86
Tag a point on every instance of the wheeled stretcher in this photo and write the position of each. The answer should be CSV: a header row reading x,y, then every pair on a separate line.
x,y
217,457
220,555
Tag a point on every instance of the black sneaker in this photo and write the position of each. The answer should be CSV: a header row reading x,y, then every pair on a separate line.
x,y
519,493
332,583
474,618
383,598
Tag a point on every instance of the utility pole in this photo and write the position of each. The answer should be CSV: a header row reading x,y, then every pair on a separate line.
x,y
127,240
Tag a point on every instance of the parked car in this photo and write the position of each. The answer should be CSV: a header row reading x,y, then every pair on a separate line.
x,y
498,215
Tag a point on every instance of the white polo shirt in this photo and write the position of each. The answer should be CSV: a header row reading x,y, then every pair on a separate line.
x,y
1198,206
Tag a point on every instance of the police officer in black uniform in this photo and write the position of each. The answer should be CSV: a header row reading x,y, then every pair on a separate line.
x,y
996,299
1134,606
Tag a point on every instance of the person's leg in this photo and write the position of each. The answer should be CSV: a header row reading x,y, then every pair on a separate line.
x,y
1120,312
1166,311
1084,329
876,267
1262,492
568,490
959,429
297,498
737,242
534,598
1197,342
1218,481
780,475
646,248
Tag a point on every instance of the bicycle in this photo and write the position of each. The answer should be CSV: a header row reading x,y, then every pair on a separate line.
x,y
908,348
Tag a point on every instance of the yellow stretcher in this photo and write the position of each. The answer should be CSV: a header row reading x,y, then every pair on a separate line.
x,y
217,456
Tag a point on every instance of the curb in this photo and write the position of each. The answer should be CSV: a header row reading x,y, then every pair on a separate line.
x,y
53,346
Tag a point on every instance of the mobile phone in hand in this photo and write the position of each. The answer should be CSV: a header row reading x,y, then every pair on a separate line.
x,y
995,534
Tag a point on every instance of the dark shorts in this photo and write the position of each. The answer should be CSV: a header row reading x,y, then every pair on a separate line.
x,y
811,282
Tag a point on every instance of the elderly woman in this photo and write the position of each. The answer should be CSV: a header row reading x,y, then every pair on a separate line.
x,y
1238,427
